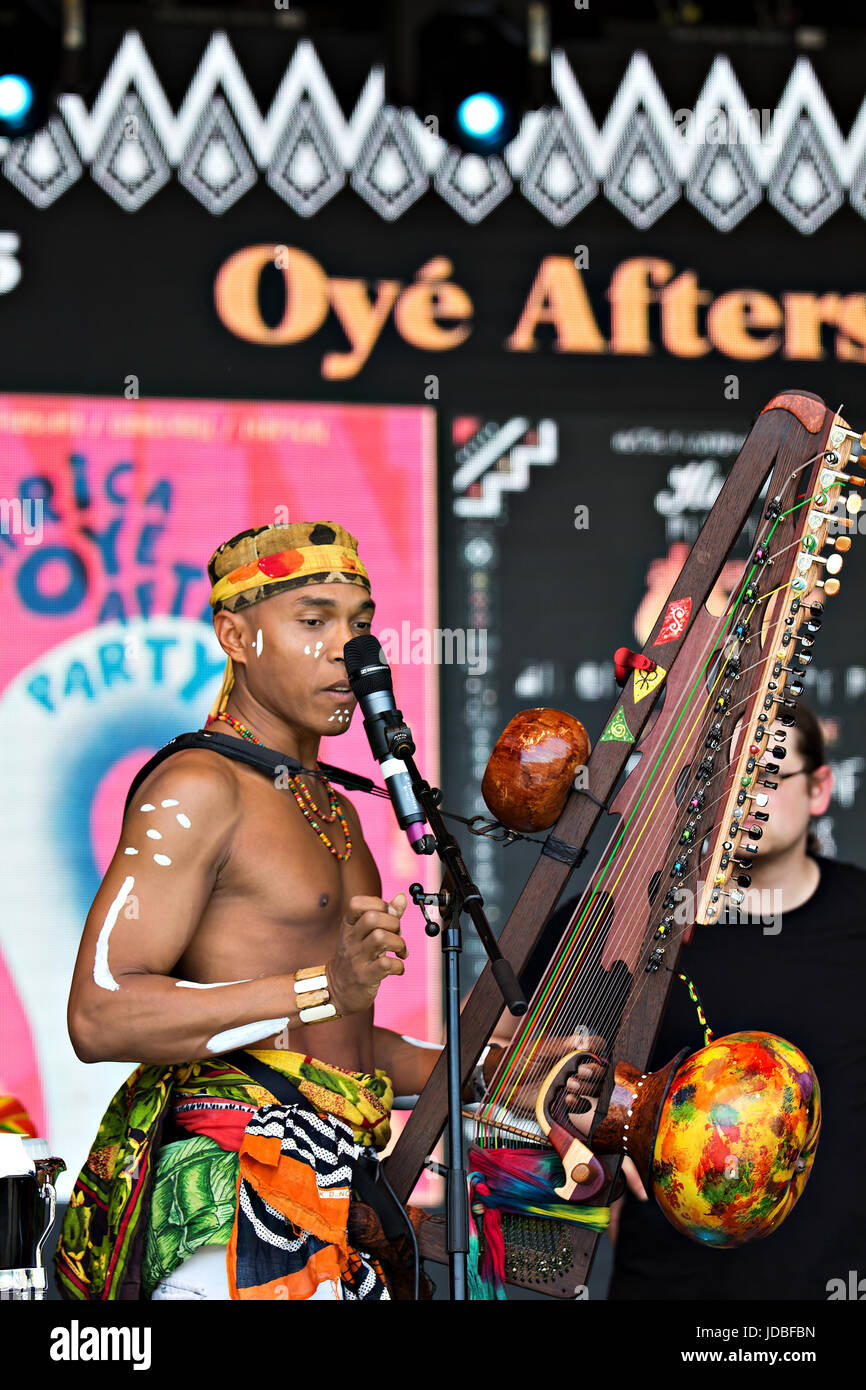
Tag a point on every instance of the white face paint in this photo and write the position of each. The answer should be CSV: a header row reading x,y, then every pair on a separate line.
x,y
130,851
102,976
161,859
247,1034
154,835
169,803
183,820
215,984
148,806
259,643
318,652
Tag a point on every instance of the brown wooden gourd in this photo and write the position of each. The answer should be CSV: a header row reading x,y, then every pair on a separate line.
x,y
532,768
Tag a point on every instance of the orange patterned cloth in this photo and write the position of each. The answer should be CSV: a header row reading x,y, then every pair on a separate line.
x,y
295,1186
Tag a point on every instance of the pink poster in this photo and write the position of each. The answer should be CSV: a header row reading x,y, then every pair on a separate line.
x,y
109,511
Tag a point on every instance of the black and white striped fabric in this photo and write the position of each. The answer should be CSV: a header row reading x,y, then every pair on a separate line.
x,y
272,1249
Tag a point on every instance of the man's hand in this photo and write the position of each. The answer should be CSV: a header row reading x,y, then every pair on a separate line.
x,y
577,1088
544,1058
370,930
582,1122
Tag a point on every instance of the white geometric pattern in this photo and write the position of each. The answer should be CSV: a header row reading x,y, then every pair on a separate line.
x,y
642,181
558,179
43,165
806,190
305,169
216,168
723,185
471,184
483,460
389,175
130,164
641,153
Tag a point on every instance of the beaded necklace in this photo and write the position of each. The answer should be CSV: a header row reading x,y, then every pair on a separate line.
x,y
308,807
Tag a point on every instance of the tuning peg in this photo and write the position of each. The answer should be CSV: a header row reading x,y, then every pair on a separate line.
x,y
832,475
830,586
843,543
759,815
805,561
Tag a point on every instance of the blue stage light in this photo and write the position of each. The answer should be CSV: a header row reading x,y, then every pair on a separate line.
x,y
16,98
482,118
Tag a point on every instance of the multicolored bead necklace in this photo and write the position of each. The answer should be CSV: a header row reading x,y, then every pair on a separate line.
x,y
308,807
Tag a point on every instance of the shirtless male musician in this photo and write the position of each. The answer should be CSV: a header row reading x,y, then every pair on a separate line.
x,y
259,924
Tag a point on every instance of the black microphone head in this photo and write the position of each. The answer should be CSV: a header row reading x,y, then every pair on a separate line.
x,y
366,667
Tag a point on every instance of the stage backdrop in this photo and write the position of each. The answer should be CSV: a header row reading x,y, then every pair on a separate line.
x,y
110,652
596,317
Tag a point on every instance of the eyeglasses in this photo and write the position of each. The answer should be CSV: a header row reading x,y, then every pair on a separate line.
x,y
800,771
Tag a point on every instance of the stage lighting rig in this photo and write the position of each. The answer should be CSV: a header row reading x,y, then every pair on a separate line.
x,y
474,66
30,55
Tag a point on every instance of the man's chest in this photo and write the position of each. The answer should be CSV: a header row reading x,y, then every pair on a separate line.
x,y
287,861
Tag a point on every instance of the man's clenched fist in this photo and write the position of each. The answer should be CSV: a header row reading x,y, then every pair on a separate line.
x,y
370,948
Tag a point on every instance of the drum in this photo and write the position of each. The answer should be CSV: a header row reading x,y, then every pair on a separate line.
x,y
28,1203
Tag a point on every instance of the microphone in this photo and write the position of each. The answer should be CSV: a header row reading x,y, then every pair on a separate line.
x,y
369,677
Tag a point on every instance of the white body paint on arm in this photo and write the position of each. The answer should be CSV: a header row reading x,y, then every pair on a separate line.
x,y
102,976
246,1034
215,984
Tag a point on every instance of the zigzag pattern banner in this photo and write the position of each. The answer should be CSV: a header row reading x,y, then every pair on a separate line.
x,y
643,158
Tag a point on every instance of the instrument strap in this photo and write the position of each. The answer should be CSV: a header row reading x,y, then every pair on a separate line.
x,y
267,760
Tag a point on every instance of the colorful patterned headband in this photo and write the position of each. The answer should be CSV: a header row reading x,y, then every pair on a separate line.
x,y
289,564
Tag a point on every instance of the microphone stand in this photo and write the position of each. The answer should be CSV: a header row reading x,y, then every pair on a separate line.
x,y
465,897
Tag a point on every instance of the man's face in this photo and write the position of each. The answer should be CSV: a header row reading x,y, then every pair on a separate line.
x,y
800,794
293,651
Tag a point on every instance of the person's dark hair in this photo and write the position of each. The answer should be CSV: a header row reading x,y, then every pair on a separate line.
x,y
811,743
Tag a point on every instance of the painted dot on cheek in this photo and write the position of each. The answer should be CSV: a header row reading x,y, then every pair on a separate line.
x,y
183,820
161,859
154,835
169,803
130,851
148,806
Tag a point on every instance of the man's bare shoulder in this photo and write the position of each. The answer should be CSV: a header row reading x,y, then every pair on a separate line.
x,y
198,785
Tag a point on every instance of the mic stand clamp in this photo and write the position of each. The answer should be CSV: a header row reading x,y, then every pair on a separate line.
x,y
462,896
